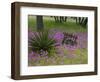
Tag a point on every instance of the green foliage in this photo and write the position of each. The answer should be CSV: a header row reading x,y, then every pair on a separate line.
x,y
52,52
42,41
32,23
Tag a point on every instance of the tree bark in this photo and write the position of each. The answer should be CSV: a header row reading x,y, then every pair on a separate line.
x,y
39,20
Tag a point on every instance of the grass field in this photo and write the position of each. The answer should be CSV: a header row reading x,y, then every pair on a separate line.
x,y
50,24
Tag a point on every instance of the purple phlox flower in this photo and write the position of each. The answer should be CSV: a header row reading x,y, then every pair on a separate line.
x,y
30,55
30,34
57,44
43,53
33,54
51,35
70,47
82,40
58,36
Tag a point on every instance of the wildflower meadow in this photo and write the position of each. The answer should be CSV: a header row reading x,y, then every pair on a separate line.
x,y
57,40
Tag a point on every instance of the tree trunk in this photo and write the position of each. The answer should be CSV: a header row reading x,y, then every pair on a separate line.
x,y
39,20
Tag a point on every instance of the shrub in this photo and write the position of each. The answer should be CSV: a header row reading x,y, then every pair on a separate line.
x,y
69,39
41,42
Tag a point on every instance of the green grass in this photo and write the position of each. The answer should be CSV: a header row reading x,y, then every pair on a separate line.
x,y
51,24
32,23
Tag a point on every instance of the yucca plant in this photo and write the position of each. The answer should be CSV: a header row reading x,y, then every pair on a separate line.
x,y
41,41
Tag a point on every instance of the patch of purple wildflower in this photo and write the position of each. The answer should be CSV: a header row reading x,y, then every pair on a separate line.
x,y
58,36
81,42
